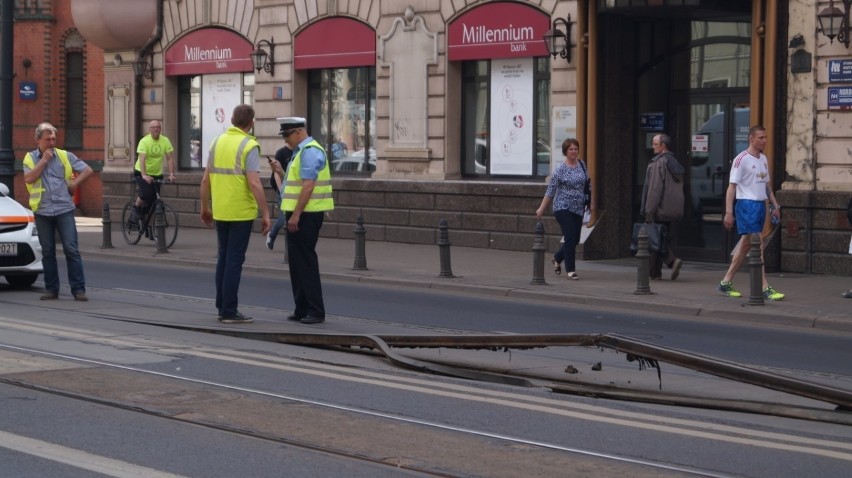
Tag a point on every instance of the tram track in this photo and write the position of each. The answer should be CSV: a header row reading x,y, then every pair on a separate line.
x,y
427,387
652,468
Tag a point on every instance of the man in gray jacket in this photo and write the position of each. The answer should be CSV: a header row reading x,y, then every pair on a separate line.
x,y
662,201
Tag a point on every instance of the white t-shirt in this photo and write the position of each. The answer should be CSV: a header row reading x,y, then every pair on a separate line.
x,y
751,175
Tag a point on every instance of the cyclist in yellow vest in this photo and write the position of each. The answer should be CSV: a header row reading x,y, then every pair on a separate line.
x,y
231,195
306,198
48,173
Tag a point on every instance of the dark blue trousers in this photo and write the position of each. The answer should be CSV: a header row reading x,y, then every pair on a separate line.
x,y
233,238
304,265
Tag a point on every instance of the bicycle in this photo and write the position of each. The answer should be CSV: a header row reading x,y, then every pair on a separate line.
x,y
133,231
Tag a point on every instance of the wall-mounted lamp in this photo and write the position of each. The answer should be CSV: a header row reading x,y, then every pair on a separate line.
x,y
263,60
558,42
835,23
144,65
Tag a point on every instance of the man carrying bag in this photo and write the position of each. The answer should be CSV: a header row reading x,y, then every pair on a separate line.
x,y
662,203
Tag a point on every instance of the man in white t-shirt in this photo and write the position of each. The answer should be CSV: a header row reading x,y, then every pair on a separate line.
x,y
751,186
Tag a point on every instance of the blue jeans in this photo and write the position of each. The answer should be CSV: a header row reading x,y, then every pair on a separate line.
x,y
570,224
65,225
233,239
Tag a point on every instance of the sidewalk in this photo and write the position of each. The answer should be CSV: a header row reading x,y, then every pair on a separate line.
x,y
813,301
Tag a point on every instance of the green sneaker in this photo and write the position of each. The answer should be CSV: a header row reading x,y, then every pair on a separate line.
x,y
771,294
727,288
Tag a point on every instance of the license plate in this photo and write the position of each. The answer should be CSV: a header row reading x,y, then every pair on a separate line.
x,y
8,249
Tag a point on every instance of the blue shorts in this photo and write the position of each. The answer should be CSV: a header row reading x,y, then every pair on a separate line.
x,y
750,216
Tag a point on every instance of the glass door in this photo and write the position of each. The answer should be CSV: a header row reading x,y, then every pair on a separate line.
x,y
710,132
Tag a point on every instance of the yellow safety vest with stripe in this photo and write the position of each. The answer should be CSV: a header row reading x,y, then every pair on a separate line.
x,y
231,196
36,187
321,198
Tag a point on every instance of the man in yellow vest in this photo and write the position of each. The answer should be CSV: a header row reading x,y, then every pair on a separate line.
x,y
306,198
48,173
231,195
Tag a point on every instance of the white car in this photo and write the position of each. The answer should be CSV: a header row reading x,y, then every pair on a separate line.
x,y
20,251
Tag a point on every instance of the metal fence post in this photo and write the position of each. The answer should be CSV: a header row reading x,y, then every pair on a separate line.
x,y
107,227
160,226
360,248
444,247
642,280
538,255
755,271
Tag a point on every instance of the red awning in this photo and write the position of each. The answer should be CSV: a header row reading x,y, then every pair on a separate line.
x,y
335,43
209,50
498,30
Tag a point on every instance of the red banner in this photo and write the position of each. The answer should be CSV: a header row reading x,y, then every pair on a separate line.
x,y
210,50
498,30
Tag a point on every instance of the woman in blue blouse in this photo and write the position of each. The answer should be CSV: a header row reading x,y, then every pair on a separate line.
x,y
566,191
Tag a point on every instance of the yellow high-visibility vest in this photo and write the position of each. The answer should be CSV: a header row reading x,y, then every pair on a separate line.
x,y
231,196
321,198
36,187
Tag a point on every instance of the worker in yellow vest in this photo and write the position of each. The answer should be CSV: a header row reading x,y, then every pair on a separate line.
x,y
48,174
231,195
306,198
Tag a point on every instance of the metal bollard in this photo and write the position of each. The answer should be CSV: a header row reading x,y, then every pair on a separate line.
x,y
538,255
755,272
160,226
360,253
107,228
444,246
642,280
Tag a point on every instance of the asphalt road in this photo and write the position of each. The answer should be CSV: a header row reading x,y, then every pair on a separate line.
x,y
173,401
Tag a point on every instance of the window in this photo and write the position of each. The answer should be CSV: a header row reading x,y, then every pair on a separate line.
x,y
506,117
342,116
74,90
196,135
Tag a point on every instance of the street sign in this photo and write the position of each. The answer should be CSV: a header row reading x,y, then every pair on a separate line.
x,y
840,98
839,70
27,90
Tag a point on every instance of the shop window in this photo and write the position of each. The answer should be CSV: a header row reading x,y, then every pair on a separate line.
x,y
205,106
74,95
342,116
505,117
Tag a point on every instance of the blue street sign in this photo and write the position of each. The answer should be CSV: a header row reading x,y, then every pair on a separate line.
x,y
839,70
652,121
840,98
27,90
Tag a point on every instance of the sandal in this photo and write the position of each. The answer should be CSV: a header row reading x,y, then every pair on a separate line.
x,y
557,268
573,276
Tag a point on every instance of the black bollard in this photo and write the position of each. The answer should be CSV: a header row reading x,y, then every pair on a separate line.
x,y
642,281
107,227
755,272
538,255
360,248
160,226
444,247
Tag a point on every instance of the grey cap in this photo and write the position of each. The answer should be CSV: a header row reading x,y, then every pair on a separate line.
x,y
291,122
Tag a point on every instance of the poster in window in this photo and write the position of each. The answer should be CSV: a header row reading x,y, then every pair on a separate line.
x,y
564,124
512,119
220,94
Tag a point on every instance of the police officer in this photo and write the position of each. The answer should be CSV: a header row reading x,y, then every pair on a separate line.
x,y
306,198
231,186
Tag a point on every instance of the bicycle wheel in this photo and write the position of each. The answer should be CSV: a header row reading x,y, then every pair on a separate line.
x,y
171,225
130,231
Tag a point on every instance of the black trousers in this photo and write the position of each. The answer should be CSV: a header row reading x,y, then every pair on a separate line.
x,y
304,265
655,268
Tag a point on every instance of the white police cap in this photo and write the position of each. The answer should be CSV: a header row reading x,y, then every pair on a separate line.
x,y
291,122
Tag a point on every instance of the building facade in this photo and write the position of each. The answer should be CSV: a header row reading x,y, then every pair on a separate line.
x,y
450,109
58,78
